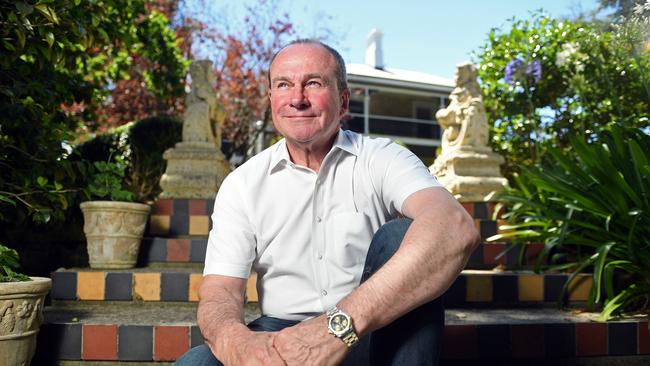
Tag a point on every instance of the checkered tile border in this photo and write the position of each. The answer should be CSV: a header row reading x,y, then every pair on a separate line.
x,y
170,207
552,340
490,255
125,286
490,289
471,288
71,341
172,250
114,342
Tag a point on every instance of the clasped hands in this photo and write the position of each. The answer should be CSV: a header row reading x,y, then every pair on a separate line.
x,y
307,343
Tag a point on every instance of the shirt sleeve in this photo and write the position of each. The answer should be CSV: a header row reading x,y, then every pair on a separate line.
x,y
397,173
231,243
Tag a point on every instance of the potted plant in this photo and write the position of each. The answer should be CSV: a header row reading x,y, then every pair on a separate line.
x,y
21,310
112,223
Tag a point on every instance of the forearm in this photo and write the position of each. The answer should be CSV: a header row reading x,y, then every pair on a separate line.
x,y
433,252
220,314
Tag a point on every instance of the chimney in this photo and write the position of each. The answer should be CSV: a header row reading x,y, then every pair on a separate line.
x,y
374,54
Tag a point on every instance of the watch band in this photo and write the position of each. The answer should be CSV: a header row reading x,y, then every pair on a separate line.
x,y
351,338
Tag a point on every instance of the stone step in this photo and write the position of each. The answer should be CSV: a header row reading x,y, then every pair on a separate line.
x,y
153,332
472,288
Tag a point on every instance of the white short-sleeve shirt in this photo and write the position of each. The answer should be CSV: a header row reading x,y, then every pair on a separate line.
x,y
306,234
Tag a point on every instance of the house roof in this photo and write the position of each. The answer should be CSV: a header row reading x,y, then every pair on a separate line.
x,y
363,73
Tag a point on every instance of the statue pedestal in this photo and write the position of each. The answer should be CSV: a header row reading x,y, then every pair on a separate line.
x,y
470,173
194,170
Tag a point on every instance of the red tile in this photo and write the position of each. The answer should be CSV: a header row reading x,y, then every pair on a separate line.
x,y
99,342
644,338
170,342
460,341
469,207
491,251
163,207
591,339
197,207
178,250
527,341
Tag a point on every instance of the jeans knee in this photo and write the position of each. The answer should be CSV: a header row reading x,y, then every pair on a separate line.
x,y
384,244
198,356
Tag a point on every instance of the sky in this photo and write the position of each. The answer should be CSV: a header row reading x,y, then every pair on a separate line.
x,y
427,36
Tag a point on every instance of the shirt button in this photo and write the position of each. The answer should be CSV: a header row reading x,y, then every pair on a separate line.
x,y
324,293
317,181
320,256
318,219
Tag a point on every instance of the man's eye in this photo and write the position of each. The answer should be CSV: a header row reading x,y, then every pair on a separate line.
x,y
282,85
314,84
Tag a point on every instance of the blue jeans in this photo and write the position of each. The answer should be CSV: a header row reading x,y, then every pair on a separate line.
x,y
413,340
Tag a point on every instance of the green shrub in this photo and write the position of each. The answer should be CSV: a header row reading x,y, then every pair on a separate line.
x,y
592,212
140,147
544,80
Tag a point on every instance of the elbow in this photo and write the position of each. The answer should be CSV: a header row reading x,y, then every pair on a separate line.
x,y
469,235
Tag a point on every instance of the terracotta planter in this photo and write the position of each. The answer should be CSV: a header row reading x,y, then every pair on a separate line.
x,y
113,232
21,314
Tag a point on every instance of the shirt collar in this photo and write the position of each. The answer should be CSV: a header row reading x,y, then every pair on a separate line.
x,y
280,155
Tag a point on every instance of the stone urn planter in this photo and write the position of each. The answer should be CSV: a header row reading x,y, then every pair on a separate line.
x,y
21,314
113,232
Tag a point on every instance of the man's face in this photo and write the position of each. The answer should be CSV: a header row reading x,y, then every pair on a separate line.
x,y
305,101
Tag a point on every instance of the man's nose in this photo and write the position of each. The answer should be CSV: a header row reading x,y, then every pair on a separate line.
x,y
299,98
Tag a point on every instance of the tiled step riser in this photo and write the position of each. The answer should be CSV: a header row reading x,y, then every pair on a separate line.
x,y
485,341
471,288
112,342
125,286
490,255
486,255
512,290
165,250
181,218
555,340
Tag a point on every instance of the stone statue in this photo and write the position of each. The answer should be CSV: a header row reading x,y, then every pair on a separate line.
x,y
467,166
196,166
464,120
203,116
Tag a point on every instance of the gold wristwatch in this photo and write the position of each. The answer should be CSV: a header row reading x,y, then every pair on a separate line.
x,y
340,325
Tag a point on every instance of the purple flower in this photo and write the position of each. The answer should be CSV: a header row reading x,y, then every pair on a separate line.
x,y
517,70
512,68
534,69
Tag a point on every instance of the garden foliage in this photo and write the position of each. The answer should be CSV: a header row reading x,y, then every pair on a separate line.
x,y
592,212
545,80
136,149
8,264
569,108
57,57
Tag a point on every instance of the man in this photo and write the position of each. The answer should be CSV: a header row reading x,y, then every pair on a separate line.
x,y
302,214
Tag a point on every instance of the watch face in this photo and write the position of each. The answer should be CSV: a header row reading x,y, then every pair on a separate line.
x,y
339,323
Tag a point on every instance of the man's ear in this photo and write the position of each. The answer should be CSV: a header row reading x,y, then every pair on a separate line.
x,y
345,102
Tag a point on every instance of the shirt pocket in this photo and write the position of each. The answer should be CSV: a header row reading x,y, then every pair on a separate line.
x,y
349,236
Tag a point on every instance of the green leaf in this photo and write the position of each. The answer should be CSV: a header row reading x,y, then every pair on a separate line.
x,y
42,181
24,8
47,12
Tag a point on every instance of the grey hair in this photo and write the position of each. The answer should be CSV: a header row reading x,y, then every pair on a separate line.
x,y
340,72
